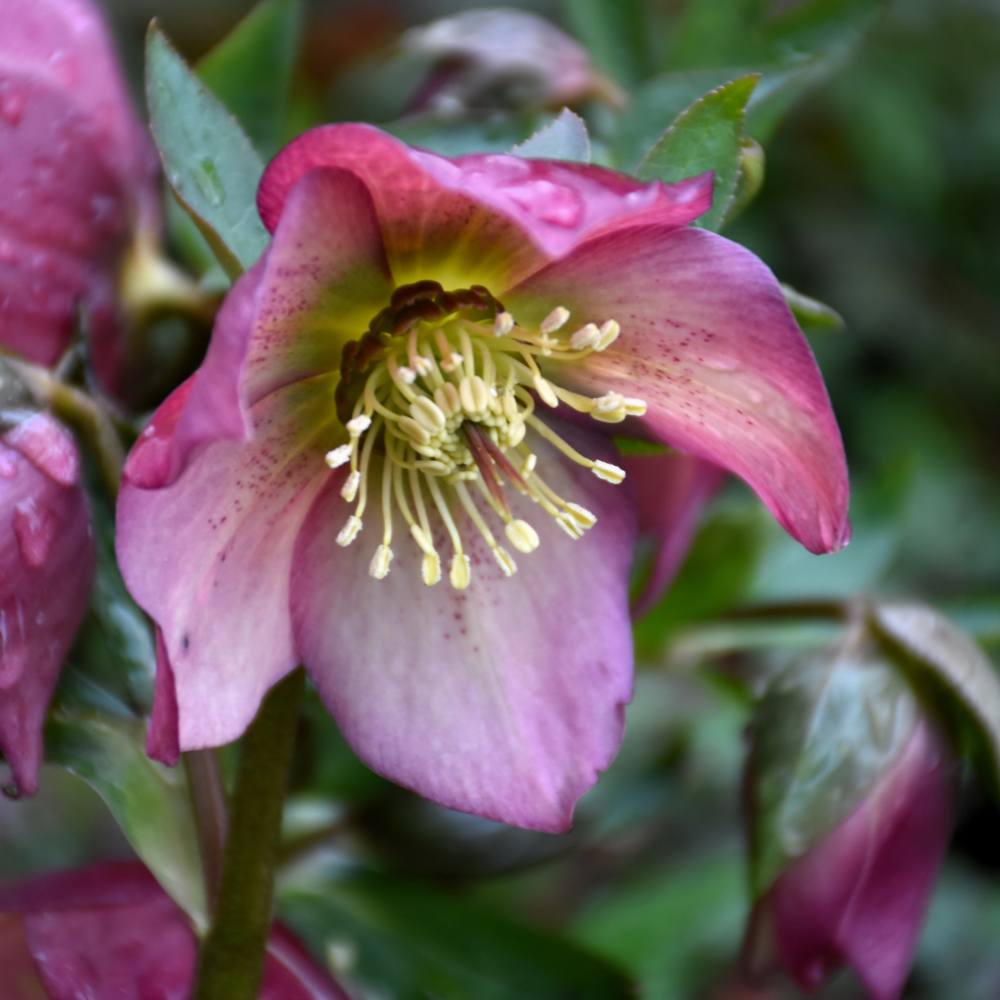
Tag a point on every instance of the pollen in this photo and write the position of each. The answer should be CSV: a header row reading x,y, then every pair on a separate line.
x,y
438,400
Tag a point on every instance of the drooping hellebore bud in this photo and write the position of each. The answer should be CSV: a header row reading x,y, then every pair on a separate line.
x,y
503,58
78,181
109,932
849,789
46,566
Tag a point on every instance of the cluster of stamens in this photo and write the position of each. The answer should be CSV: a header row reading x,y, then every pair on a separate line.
x,y
443,389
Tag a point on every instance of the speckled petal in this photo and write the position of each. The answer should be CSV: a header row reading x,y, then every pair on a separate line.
x,y
209,556
504,699
488,219
708,342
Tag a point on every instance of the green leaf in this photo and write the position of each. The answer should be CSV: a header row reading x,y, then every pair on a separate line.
x,y
251,69
564,138
149,801
208,160
810,312
409,942
823,24
470,134
705,137
825,731
616,34
956,668
714,32
674,929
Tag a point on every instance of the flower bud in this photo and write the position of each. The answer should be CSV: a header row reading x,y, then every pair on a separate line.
x,y
503,58
46,566
110,932
78,181
861,823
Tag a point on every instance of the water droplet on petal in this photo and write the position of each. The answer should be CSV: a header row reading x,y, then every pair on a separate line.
x,y
547,201
11,107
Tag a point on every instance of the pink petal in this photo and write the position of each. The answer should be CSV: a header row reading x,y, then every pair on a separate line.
x,y
479,219
208,557
46,566
163,740
505,699
318,285
708,342
671,490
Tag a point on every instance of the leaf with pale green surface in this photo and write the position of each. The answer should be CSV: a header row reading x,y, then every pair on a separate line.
x,y
825,731
207,158
250,70
615,33
564,138
955,665
705,137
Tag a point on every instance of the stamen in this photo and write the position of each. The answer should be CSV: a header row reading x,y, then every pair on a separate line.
x,y
357,426
503,324
379,566
555,319
522,536
502,556
339,456
586,336
608,472
349,531
545,391
609,334
461,572
350,488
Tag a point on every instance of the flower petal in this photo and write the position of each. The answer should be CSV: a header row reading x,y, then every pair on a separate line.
x,y
708,342
209,556
287,319
671,491
489,219
504,699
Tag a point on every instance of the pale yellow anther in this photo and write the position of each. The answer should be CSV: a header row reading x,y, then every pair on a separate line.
x,y
430,568
569,525
528,466
503,324
504,561
350,488
451,362
581,515
349,531
609,334
609,408
461,571
414,430
508,404
522,536
446,398
338,456
555,319
545,391
423,366
427,413
406,375
358,425
379,566
635,407
585,337
515,433
608,472
473,395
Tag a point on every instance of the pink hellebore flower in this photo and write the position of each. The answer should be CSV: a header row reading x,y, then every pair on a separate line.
x,y
497,294
109,932
860,895
46,566
78,177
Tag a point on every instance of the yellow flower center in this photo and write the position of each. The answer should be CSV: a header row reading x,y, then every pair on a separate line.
x,y
443,386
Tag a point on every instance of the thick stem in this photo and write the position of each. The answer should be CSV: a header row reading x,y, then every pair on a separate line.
x,y
209,797
232,956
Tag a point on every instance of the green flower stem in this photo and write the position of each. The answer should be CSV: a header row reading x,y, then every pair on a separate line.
x,y
209,799
232,955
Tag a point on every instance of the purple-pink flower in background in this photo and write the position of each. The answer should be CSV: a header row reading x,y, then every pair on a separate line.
x,y
859,896
109,932
78,180
370,474
46,566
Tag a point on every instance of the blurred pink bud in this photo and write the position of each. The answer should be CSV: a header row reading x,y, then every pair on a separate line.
x,y
503,58
860,895
109,932
46,565
78,179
